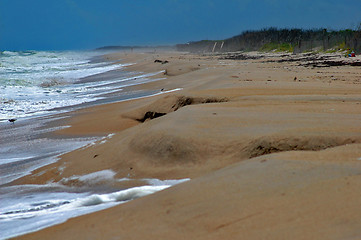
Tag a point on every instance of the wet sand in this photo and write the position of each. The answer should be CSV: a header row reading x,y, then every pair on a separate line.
x,y
273,149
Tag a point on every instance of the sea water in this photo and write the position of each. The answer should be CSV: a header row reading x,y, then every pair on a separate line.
x,y
29,208
35,87
31,82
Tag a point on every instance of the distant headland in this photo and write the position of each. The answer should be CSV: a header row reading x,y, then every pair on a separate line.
x,y
135,48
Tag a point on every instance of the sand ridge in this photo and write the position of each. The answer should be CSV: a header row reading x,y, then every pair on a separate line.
x,y
272,148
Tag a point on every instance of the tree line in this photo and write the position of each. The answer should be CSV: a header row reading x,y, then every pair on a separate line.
x,y
273,39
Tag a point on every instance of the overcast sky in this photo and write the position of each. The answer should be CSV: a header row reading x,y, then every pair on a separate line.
x,y
86,24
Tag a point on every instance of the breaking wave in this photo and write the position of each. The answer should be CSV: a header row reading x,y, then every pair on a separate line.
x,y
40,206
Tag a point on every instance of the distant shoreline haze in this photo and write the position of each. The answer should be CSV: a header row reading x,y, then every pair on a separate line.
x,y
271,39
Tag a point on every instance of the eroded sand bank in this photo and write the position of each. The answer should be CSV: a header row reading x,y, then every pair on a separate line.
x,y
272,148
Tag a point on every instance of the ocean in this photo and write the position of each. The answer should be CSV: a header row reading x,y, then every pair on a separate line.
x,y
39,88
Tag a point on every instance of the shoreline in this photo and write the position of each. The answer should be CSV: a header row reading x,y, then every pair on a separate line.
x,y
43,126
232,115
44,147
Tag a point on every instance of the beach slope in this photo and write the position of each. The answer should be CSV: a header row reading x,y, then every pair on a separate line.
x,y
272,148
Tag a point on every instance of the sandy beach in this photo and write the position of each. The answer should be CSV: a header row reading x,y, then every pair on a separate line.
x,y
271,143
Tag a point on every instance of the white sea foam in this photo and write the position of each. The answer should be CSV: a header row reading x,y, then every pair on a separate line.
x,y
14,159
105,139
121,196
104,175
34,82
157,182
108,175
159,93
39,206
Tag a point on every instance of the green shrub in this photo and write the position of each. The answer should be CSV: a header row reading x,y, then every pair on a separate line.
x,y
269,47
283,47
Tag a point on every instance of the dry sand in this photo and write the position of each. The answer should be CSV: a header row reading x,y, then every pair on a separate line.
x,y
273,150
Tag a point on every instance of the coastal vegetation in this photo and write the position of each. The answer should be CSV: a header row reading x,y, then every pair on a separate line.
x,y
282,40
